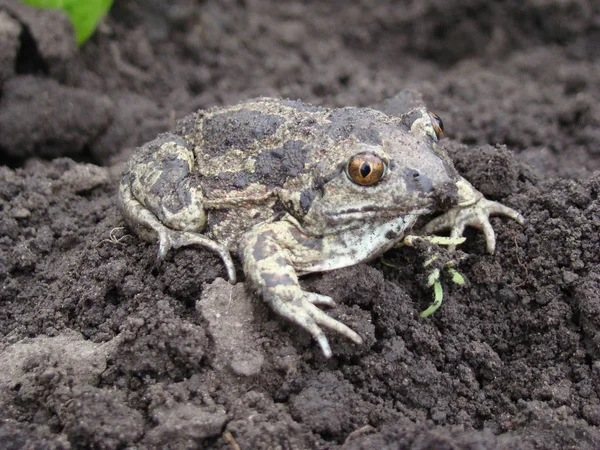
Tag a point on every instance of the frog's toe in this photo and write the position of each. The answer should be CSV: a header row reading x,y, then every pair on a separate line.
x,y
480,218
477,216
168,239
455,233
498,209
164,243
321,300
305,314
451,220
445,221
323,319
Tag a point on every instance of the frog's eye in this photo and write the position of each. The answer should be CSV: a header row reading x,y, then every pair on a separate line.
x,y
365,169
438,125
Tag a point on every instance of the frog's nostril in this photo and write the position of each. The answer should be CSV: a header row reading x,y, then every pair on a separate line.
x,y
415,181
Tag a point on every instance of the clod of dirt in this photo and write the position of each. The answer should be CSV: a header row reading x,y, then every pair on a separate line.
x,y
100,418
41,374
156,343
40,117
232,326
9,45
184,426
83,178
46,39
259,423
330,406
18,435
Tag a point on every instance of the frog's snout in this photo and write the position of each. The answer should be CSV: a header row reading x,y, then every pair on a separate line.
x,y
440,187
434,183
445,196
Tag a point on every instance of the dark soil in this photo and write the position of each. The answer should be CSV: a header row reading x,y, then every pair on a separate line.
x,y
103,347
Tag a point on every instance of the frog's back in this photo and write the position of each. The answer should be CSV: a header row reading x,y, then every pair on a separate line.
x,y
267,141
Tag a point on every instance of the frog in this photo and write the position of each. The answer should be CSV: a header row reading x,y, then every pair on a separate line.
x,y
288,189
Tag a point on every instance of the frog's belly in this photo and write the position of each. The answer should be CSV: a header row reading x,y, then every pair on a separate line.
x,y
358,245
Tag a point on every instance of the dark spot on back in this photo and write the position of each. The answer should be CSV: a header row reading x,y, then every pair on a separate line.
x,y
273,167
236,180
238,129
187,125
306,198
360,123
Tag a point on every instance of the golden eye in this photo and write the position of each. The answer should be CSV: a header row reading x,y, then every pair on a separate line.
x,y
438,125
366,169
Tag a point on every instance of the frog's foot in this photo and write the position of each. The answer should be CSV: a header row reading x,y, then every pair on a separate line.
x,y
168,239
301,310
475,215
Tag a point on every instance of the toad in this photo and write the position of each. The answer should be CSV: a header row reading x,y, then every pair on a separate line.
x,y
292,189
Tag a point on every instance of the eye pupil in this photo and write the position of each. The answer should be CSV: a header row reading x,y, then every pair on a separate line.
x,y
365,169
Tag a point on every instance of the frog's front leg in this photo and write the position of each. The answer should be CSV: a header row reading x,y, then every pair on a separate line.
x,y
473,210
268,252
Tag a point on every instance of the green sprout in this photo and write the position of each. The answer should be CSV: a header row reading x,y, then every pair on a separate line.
x,y
433,279
84,14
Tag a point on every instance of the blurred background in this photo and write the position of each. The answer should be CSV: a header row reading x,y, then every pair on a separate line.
x,y
525,74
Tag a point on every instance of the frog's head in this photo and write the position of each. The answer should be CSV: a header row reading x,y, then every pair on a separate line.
x,y
402,174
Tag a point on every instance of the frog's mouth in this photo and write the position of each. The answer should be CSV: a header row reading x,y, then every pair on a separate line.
x,y
376,212
439,199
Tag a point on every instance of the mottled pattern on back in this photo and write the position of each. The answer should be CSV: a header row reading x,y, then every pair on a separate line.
x,y
238,129
275,139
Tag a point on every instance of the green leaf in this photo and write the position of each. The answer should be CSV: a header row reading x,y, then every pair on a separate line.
x,y
457,277
84,14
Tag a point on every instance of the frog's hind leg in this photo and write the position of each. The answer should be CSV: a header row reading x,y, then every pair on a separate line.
x,y
159,199
148,227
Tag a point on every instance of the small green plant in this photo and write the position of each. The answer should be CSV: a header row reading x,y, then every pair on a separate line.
x,y
433,280
84,14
